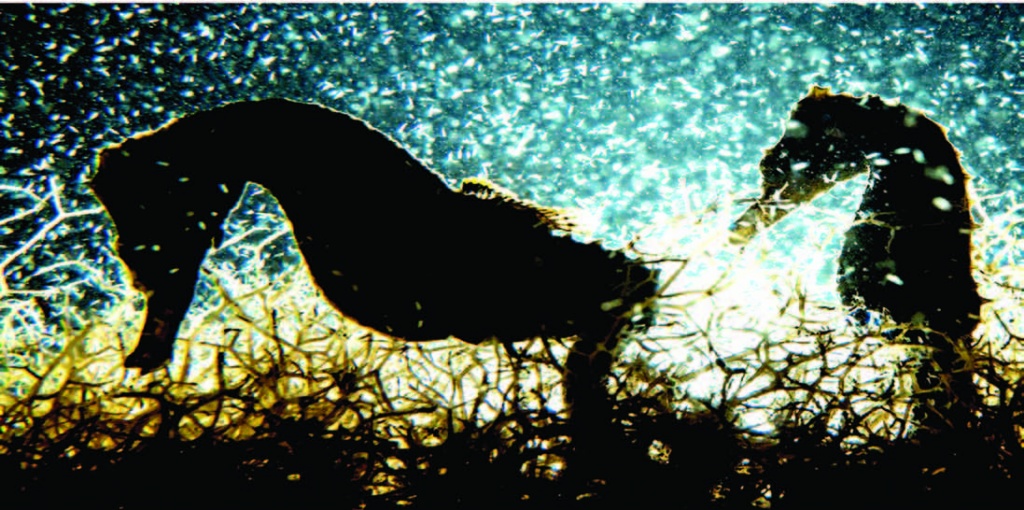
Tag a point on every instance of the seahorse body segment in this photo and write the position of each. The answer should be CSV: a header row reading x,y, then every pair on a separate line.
x,y
909,250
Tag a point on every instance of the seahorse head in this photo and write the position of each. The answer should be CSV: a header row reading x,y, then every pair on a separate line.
x,y
823,143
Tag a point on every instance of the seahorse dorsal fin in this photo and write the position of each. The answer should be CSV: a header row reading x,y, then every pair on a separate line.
x,y
553,218
485,189
818,92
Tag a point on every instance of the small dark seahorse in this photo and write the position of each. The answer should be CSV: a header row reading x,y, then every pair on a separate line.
x,y
386,240
909,250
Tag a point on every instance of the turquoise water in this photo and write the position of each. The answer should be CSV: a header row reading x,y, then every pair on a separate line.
x,y
632,114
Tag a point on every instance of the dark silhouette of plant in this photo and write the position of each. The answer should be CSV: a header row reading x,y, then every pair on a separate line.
x,y
274,398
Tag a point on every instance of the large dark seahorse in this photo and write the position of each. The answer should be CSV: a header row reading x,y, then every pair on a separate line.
x,y
909,250
386,240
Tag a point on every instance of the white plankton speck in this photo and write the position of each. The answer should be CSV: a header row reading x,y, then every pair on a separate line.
x,y
939,173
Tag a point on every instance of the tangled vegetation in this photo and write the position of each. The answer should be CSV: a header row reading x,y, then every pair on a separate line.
x,y
276,398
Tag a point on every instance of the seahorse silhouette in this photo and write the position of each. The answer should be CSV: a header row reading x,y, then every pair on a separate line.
x,y
909,250
387,241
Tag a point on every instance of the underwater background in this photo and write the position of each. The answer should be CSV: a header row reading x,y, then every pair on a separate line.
x,y
645,122
632,114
